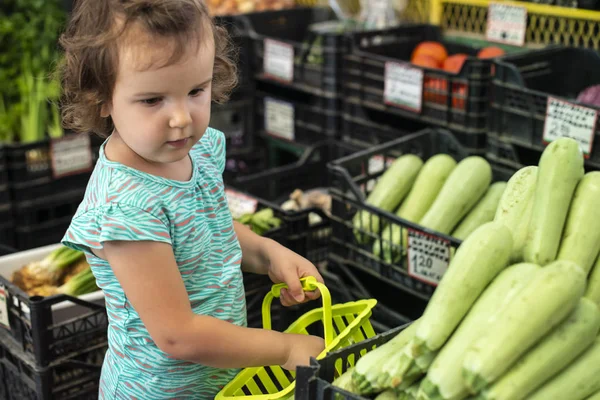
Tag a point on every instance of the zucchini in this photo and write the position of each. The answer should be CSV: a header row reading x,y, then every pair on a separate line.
x,y
550,356
390,190
428,184
595,396
444,380
581,239
462,190
387,395
367,374
484,211
560,170
576,382
592,291
346,382
548,299
516,206
477,262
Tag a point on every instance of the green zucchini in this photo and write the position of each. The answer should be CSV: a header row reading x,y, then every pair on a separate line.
x,y
484,211
390,190
387,395
444,380
346,382
428,184
536,310
595,396
560,170
462,190
516,206
478,260
592,291
581,237
368,370
576,382
550,356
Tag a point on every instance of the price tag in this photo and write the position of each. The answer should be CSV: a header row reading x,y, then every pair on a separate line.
x,y
240,204
279,118
403,86
428,257
506,24
564,119
278,61
4,308
71,155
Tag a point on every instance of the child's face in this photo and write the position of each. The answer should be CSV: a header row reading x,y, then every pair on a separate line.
x,y
160,112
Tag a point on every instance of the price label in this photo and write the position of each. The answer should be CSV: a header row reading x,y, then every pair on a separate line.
x,y
506,24
279,118
403,86
428,256
376,165
278,60
4,308
240,204
564,119
71,155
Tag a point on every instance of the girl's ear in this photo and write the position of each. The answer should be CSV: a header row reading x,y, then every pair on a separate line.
x,y
105,110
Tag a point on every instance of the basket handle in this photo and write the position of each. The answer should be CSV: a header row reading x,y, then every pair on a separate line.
x,y
309,284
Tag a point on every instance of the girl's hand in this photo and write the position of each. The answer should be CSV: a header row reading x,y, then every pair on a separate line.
x,y
300,349
287,267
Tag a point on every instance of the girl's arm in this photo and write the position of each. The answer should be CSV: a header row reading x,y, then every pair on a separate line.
x,y
148,273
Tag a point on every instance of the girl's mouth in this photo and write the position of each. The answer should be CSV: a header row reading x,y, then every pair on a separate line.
x,y
178,143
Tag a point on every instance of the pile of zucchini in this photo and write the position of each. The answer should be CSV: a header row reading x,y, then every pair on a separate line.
x,y
443,195
517,314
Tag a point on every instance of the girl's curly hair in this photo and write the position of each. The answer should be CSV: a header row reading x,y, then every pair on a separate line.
x,y
90,43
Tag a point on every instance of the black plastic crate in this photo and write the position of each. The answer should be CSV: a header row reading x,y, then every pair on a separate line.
x,y
31,173
523,83
46,334
314,382
241,162
38,235
3,168
77,377
351,182
235,120
317,57
454,101
296,116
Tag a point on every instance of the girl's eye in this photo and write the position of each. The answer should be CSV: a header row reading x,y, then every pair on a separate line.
x,y
196,92
151,102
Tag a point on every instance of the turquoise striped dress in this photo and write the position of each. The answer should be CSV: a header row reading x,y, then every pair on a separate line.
x,y
122,203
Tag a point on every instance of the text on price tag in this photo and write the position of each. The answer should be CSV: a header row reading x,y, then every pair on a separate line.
x,y
71,155
428,256
240,204
278,61
4,308
403,86
564,119
506,24
279,118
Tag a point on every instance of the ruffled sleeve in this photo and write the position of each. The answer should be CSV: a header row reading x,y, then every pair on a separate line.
x,y
219,151
115,221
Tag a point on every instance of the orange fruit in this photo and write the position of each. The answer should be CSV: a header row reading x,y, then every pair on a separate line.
x,y
425,61
432,49
455,62
491,52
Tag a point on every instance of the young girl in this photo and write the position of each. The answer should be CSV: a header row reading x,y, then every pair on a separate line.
x,y
155,223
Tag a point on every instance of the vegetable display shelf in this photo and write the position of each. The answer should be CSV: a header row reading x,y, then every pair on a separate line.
x,y
39,169
456,101
366,127
546,24
295,116
76,377
47,329
314,382
352,178
235,120
521,113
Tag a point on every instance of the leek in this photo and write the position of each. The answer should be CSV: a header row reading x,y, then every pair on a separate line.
x,y
50,269
82,283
